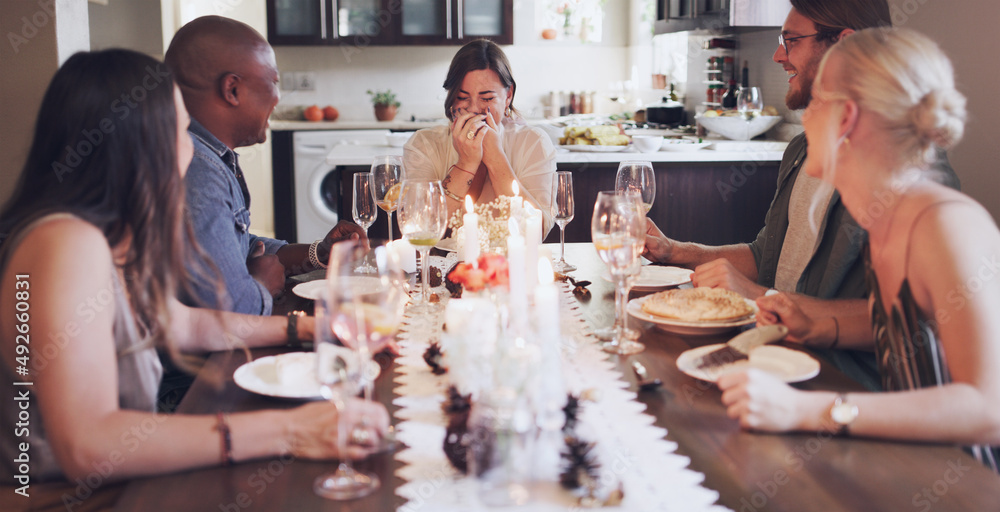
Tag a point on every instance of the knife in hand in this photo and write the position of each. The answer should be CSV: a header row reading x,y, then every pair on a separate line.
x,y
740,346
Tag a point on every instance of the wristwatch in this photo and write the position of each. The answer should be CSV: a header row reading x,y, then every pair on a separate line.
x,y
292,330
843,413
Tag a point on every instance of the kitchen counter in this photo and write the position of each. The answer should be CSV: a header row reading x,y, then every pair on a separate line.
x,y
343,124
757,151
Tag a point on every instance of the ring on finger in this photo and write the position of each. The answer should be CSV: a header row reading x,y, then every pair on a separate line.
x,y
470,135
361,436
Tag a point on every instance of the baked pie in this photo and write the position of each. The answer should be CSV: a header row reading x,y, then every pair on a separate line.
x,y
698,305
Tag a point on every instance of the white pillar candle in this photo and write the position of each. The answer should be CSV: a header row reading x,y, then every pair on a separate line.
x,y
515,267
532,240
406,253
470,230
546,303
516,203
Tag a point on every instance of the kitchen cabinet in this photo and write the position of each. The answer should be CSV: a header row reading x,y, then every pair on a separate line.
x,y
388,22
445,22
715,203
717,15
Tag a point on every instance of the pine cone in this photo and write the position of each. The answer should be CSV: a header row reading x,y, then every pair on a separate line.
x,y
432,356
580,465
571,410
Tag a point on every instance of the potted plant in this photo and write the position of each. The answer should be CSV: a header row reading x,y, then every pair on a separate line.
x,y
385,104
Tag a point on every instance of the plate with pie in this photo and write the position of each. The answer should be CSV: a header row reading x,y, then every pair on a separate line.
x,y
309,290
784,363
698,311
656,277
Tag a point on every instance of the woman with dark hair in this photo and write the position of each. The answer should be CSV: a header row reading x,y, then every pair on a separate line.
x,y
486,148
93,258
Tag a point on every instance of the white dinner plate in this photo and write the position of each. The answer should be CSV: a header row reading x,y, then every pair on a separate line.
x,y
291,375
682,145
784,363
656,277
584,148
634,308
448,244
309,290
361,284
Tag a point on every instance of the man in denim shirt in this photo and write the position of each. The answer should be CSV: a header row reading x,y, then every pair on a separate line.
x,y
229,79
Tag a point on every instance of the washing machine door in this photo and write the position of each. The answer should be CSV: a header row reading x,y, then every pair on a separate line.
x,y
323,196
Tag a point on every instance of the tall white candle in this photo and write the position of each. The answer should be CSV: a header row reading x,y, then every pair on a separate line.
x,y
532,240
470,228
546,303
516,202
406,253
515,267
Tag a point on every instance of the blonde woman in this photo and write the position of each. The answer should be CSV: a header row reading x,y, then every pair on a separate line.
x,y
883,101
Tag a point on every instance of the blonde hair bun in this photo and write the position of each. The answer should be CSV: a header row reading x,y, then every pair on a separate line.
x,y
939,118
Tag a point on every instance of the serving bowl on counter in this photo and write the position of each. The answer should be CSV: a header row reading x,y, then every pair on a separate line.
x,y
647,143
681,145
735,127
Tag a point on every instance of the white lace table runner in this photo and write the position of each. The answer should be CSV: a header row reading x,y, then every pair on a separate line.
x,y
627,443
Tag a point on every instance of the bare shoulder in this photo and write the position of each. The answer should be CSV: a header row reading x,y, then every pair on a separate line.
x,y
65,245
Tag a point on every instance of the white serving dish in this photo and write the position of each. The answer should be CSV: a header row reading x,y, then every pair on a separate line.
x,y
736,128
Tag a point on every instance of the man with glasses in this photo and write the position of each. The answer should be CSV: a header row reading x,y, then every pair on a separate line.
x,y
788,255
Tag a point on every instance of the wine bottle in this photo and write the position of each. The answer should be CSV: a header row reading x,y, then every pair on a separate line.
x,y
729,100
746,74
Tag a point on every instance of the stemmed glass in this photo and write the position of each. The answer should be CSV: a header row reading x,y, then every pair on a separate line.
x,y
637,176
619,234
363,210
563,208
362,311
387,173
423,218
749,103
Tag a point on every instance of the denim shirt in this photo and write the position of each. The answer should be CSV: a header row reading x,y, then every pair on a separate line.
x,y
218,209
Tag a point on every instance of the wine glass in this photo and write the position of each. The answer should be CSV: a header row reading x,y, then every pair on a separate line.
x,y
423,218
618,231
363,312
637,176
749,103
563,208
387,173
364,210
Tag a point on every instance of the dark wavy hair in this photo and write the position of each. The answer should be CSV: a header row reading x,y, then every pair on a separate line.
x,y
104,150
479,54
832,17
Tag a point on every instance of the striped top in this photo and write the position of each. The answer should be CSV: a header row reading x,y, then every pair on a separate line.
x,y
908,348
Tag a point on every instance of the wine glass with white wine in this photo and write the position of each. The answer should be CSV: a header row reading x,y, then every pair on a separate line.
x,y
618,229
749,103
423,218
387,174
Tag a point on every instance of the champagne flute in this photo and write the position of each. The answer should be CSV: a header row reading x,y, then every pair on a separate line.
x,y
423,218
563,209
749,104
618,232
387,173
363,312
637,176
363,209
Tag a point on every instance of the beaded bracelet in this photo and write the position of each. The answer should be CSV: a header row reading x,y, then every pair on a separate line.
x,y
313,258
225,438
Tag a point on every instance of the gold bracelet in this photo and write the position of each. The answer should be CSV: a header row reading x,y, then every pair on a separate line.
x,y
451,194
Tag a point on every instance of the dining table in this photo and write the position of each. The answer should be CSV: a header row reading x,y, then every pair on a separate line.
x,y
751,471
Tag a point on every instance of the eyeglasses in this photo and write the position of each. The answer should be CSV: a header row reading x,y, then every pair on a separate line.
x,y
783,41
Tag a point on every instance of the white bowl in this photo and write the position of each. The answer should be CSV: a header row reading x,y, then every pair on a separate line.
x,y
647,143
397,139
735,128
683,145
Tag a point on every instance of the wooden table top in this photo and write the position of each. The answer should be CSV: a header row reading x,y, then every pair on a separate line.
x,y
751,471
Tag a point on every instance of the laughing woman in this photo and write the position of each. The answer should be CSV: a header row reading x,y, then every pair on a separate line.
x,y
882,102
486,147
93,256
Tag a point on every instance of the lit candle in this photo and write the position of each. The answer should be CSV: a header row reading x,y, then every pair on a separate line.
x,y
470,229
532,239
516,272
516,202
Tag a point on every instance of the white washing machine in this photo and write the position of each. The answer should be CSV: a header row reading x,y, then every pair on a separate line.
x,y
317,184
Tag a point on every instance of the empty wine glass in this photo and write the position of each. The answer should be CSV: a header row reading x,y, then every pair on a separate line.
x,y
364,210
749,103
387,173
363,312
637,176
563,209
618,231
423,218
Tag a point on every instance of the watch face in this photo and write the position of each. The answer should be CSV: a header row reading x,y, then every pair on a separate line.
x,y
844,413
